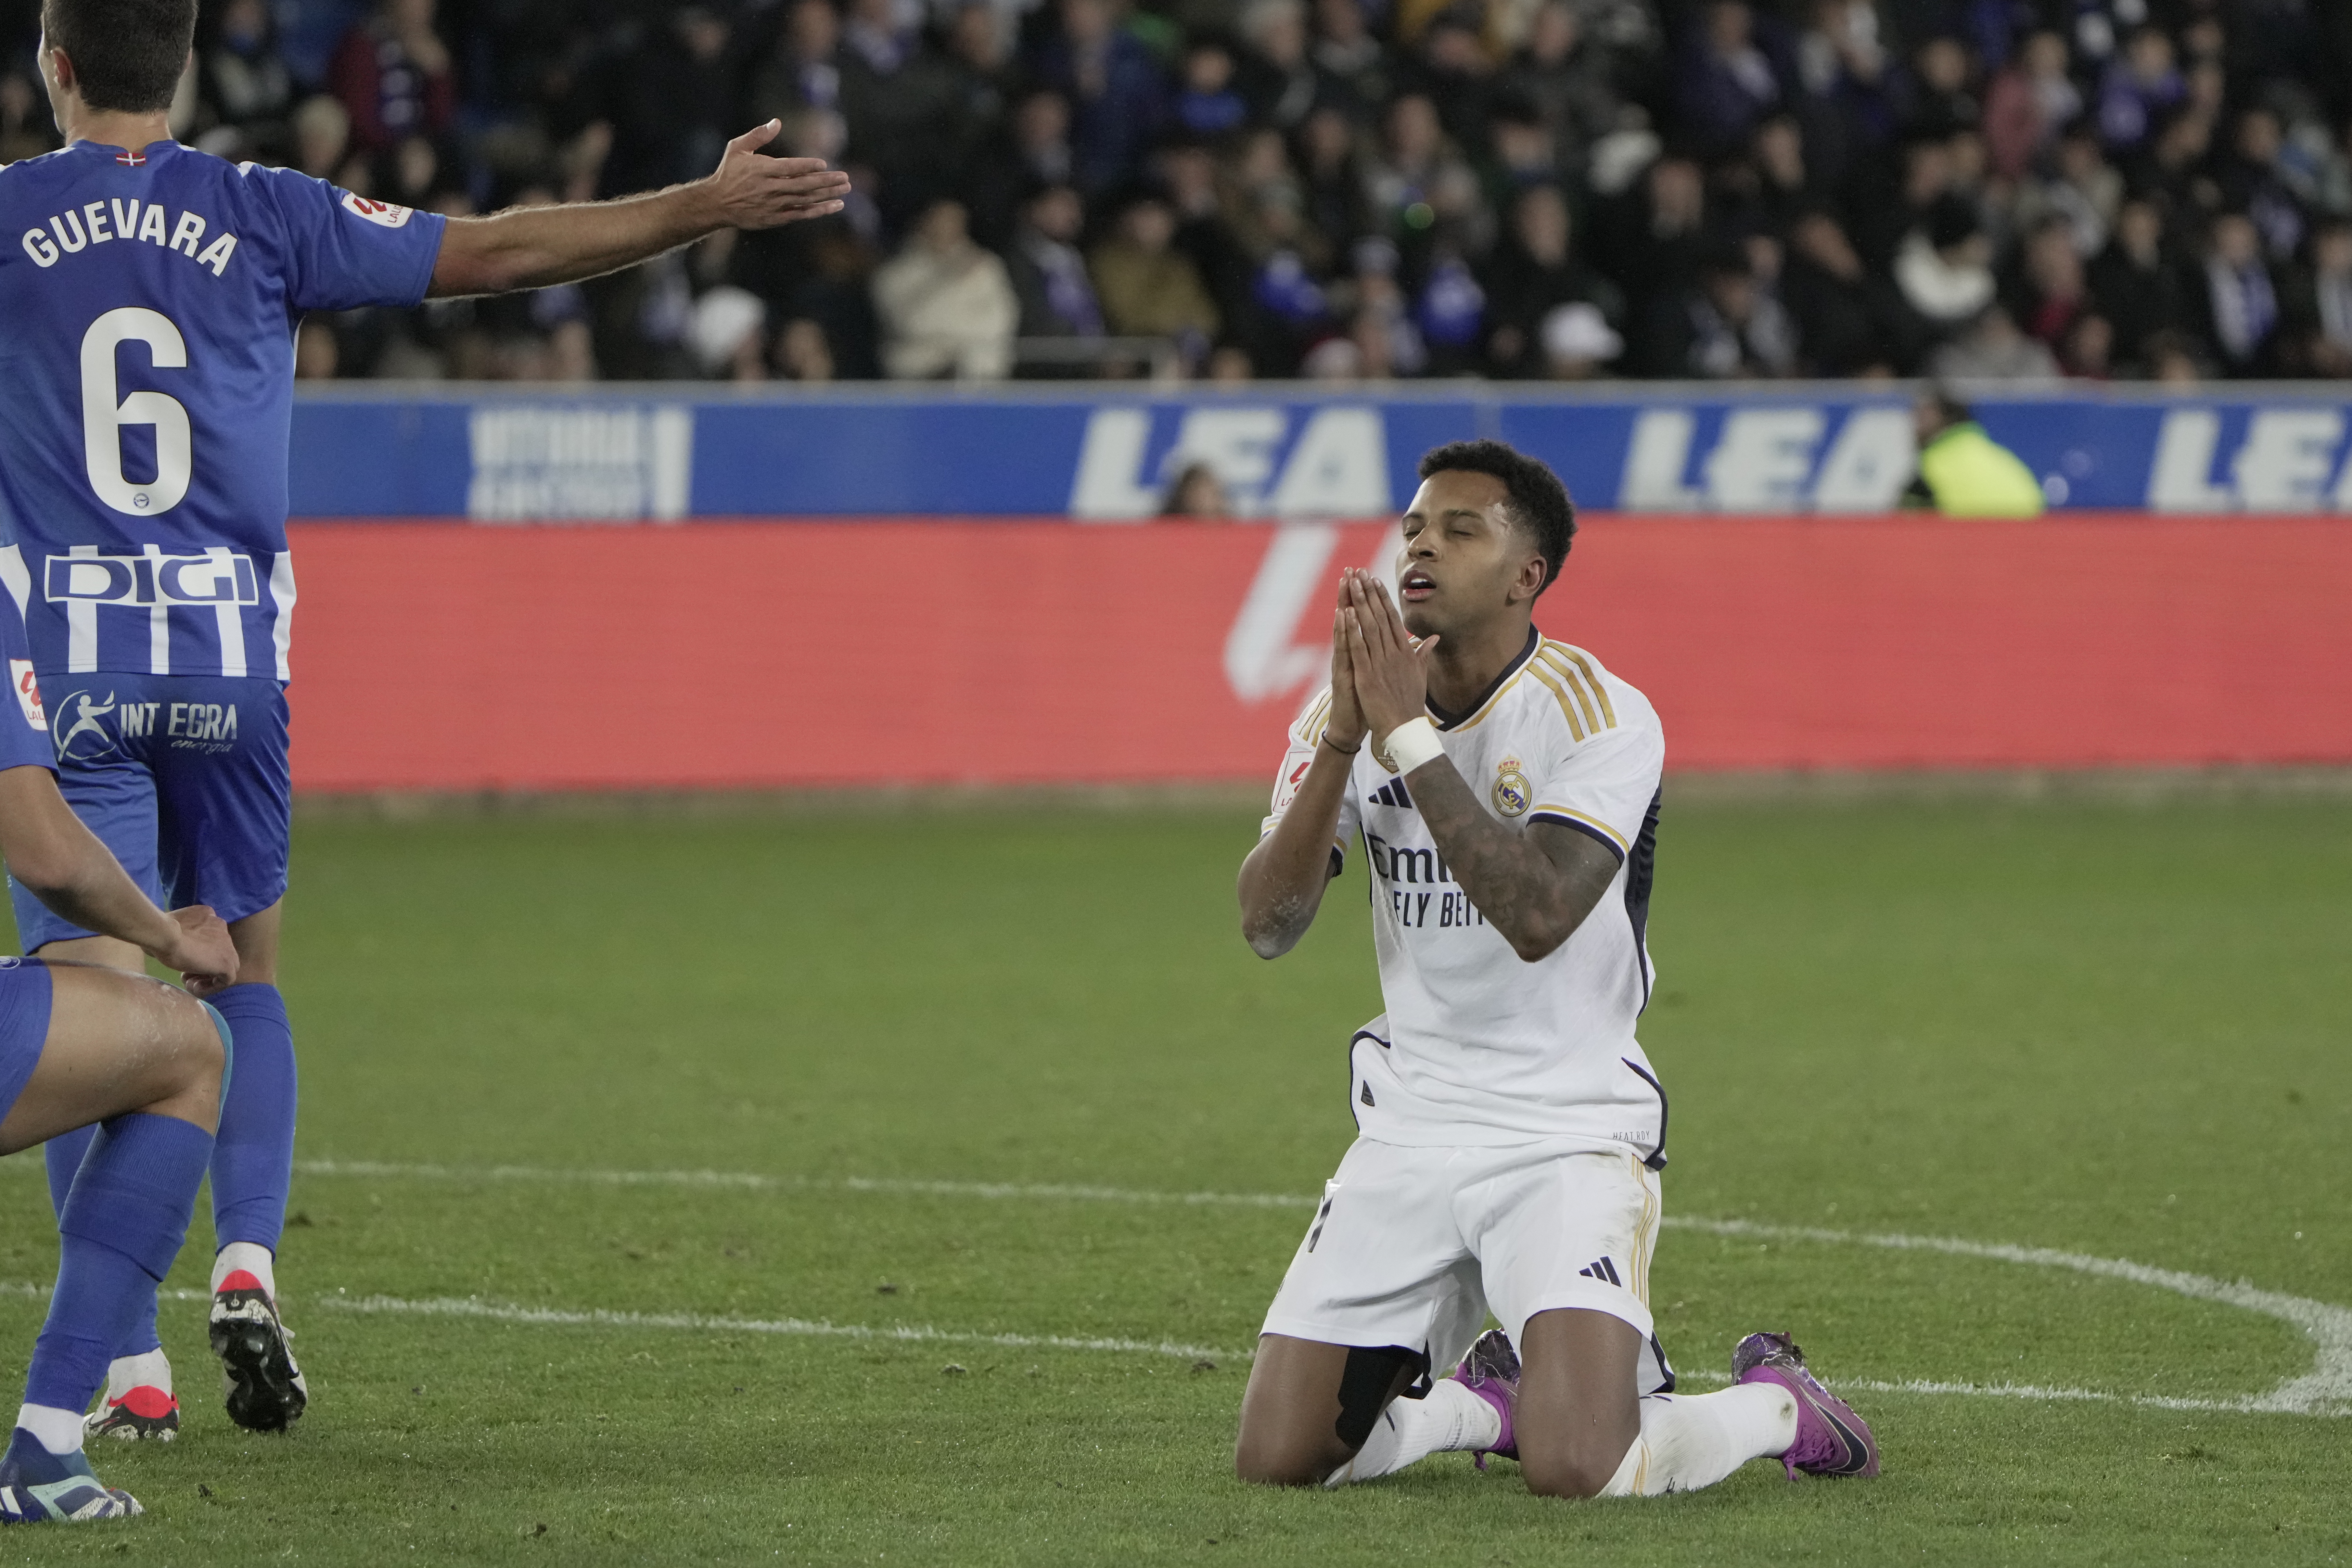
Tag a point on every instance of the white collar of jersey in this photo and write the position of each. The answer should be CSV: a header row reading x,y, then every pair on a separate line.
x,y
1447,720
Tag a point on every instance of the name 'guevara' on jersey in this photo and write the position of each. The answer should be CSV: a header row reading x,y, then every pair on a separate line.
x,y
1478,1047
148,302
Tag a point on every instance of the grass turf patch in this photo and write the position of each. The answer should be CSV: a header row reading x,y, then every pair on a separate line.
x,y
2109,1028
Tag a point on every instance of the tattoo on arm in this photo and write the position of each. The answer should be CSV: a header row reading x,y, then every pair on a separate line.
x,y
1534,884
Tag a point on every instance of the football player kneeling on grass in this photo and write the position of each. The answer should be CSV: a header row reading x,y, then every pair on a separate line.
x,y
79,1047
1511,1130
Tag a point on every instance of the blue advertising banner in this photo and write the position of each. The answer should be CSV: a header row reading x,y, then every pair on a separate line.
x,y
672,453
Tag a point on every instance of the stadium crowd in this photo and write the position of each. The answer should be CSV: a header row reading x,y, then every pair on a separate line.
x,y
1999,190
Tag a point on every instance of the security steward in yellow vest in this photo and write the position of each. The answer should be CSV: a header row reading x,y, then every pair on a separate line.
x,y
1963,472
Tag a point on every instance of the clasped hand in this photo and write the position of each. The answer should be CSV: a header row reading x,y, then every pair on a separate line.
x,y
1380,671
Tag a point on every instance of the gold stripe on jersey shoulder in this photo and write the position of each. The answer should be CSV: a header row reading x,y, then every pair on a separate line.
x,y
1567,673
1318,719
1583,662
1584,816
1475,718
1560,694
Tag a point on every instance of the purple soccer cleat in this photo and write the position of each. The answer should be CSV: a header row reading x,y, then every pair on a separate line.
x,y
1832,1440
1490,1369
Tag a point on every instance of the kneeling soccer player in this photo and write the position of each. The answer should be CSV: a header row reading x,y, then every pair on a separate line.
x,y
1511,1129
78,1045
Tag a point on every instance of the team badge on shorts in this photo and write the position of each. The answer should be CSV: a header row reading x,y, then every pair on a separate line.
x,y
1512,796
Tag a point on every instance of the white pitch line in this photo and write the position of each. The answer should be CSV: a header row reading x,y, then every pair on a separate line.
x,y
748,1180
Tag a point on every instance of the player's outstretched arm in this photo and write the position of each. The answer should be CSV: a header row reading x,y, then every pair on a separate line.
x,y
533,248
1283,879
1534,886
64,865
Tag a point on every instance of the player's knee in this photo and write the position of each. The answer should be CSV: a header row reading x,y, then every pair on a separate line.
x,y
1578,1470
1272,1465
201,1048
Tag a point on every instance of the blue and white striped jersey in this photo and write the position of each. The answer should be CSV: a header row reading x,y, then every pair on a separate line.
x,y
148,302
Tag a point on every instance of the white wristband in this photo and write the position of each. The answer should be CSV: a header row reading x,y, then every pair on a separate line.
x,y
1412,743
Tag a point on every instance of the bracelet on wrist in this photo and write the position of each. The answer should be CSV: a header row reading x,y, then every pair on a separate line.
x,y
1344,751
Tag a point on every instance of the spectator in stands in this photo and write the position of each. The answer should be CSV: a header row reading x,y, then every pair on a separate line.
x,y
1208,100
2135,284
1452,71
1944,268
1357,76
1328,168
2174,169
1116,97
2249,178
1197,493
1049,273
2080,188
1727,84
946,305
2087,352
1277,79
670,101
2028,104
1564,76
1729,326
246,91
2138,89
1992,349
1535,272
1850,321
1034,149
803,70
323,135
2047,294
392,77
1942,96
26,128
1150,289
2326,325
801,352
1579,343
2239,300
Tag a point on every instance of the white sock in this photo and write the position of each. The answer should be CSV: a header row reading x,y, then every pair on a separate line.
x,y
58,1430
1450,1418
151,1368
254,1259
1689,1441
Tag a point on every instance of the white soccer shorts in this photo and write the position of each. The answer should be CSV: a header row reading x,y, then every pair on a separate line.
x,y
1411,1246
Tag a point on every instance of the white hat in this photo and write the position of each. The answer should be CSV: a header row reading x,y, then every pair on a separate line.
x,y
722,319
1580,331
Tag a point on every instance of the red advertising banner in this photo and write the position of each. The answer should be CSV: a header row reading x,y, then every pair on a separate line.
x,y
772,653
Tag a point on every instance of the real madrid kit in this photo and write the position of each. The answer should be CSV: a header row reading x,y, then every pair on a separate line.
x,y
1511,1129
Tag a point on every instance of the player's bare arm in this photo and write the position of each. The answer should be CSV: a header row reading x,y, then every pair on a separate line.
x,y
1534,884
1282,879
63,864
533,247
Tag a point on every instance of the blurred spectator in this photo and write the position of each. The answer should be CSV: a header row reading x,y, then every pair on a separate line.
x,y
2249,179
1944,267
801,352
1943,97
729,334
1112,86
2081,189
2028,104
323,134
1207,101
2327,347
26,130
1992,349
392,76
2048,293
1148,289
247,91
2239,300
1850,322
947,307
2137,89
1726,83
1049,274
804,68
1357,73
1197,492
1565,78
2138,286
1729,326
1534,273
1277,79
1578,343
670,101
2087,352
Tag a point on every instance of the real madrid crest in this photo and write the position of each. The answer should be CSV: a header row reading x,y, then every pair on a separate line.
x,y
1512,796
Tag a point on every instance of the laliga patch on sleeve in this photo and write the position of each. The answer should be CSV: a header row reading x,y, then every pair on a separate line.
x,y
28,692
388,213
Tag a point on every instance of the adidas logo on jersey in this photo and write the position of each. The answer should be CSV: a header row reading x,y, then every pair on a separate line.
x,y
1601,1268
1392,793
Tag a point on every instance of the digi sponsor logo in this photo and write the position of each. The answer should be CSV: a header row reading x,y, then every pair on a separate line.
x,y
90,729
579,463
149,577
1294,462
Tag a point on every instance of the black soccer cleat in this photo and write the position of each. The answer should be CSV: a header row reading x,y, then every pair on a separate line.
x,y
266,1391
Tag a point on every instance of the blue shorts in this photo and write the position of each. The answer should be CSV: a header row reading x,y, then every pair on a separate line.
x,y
185,777
23,1024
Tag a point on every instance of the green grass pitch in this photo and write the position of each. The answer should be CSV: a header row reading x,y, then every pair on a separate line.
x,y
2114,1030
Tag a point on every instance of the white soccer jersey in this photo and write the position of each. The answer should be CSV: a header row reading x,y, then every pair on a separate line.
x,y
1479,1047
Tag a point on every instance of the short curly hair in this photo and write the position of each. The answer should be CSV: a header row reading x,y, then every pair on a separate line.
x,y
1538,503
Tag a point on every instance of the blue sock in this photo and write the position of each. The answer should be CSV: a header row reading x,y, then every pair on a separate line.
x,y
253,1163
64,1154
122,1226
